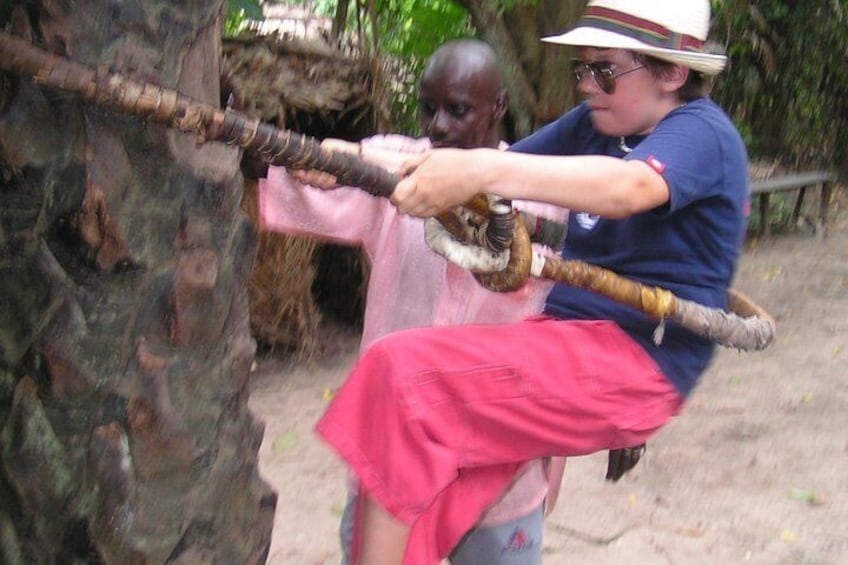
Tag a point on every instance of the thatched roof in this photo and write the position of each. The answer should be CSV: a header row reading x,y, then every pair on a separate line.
x,y
283,310
307,86
301,84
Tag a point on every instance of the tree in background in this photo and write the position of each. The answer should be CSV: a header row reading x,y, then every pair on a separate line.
x,y
401,34
398,36
537,74
239,15
784,87
787,79
124,340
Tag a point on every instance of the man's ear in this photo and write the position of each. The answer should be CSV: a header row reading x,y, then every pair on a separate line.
x,y
500,105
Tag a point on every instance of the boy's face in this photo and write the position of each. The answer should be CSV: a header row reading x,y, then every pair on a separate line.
x,y
634,101
458,107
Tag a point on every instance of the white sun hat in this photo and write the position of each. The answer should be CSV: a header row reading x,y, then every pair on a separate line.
x,y
671,30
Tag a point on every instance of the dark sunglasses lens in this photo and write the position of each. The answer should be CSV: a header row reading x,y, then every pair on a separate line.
x,y
604,76
601,73
578,69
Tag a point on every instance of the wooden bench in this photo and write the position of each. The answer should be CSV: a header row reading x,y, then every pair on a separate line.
x,y
823,180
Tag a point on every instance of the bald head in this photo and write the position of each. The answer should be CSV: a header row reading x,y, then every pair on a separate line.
x,y
467,60
462,96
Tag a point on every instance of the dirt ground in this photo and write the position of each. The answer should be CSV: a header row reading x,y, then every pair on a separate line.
x,y
755,470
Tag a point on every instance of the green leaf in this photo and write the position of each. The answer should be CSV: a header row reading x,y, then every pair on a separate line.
x,y
283,442
250,8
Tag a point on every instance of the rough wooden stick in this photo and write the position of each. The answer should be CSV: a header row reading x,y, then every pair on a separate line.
x,y
166,106
290,149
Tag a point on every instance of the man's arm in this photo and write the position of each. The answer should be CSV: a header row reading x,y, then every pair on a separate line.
x,y
345,214
288,204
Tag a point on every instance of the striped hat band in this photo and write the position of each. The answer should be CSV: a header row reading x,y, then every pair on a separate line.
x,y
639,29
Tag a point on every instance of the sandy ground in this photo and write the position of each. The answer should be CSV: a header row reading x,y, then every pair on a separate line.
x,y
755,470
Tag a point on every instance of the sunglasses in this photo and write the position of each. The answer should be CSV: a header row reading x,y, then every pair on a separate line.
x,y
602,72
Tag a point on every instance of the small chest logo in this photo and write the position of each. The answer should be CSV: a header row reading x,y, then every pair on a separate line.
x,y
586,221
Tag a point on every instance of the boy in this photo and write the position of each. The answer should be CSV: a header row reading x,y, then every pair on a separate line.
x,y
655,175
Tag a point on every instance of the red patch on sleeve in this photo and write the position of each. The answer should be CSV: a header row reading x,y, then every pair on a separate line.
x,y
655,164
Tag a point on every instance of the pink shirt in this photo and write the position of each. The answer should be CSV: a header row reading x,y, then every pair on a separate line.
x,y
409,286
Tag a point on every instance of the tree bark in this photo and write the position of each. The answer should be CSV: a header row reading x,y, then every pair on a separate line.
x,y
339,19
523,97
548,65
539,84
124,337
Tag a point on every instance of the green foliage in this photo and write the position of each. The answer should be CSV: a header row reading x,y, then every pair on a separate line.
x,y
405,33
239,14
509,5
785,86
787,78
408,32
403,36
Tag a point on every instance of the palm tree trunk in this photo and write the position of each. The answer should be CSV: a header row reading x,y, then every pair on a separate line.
x,y
124,338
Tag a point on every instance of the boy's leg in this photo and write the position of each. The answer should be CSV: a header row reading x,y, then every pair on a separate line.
x,y
384,537
517,542
462,407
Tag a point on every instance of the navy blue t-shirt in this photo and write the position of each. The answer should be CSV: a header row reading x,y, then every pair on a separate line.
x,y
689,246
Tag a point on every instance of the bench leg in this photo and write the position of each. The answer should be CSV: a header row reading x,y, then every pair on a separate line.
x,y
824,203
796,213
765,229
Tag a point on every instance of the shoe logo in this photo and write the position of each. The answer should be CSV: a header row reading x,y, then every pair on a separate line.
x,y
518,542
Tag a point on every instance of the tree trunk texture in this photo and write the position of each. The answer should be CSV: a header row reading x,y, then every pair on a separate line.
x,y
537,74
125,346
339,19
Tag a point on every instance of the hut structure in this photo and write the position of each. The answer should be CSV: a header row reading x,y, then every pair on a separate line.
x,y
298,284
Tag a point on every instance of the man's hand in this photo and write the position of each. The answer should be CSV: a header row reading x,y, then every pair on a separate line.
x,y
320,179
622,460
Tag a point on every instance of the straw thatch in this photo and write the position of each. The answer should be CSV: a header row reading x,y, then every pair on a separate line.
x,y
283,311
303,85
300,84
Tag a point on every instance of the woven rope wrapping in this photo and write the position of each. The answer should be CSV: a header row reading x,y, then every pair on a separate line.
x,y
744,325
517,271
505,271
656,302
473,258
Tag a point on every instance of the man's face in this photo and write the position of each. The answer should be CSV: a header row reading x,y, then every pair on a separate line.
x,y
458,107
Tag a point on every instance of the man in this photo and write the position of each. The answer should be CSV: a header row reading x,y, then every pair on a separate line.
x,y
462,102
656,177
